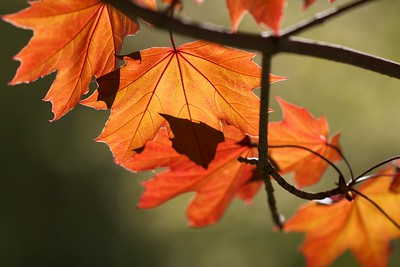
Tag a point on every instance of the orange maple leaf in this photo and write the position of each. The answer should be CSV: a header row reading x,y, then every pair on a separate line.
x,y
215,186
78,38
357,225
268,12
300,128
198,81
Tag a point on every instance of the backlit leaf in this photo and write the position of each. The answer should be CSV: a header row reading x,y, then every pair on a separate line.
x,y
215,187
357,226
198,81
77,38
300,128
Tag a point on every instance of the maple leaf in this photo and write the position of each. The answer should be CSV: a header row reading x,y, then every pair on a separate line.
x,y
198,81
268,12
215,187
78,38
355,225
300,128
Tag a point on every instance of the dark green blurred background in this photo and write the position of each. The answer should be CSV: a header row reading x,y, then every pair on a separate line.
x,y
63,201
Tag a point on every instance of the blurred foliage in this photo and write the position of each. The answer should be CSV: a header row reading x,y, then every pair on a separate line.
x,y
64,202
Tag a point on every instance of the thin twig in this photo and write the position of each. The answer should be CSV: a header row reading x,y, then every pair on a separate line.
x,y
302,194
321,17
374,167
373,176
314,153
277,219
339,151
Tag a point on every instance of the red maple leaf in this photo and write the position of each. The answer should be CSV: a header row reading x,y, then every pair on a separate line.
x,y
198,81
215,186
300,129
355,225
68,37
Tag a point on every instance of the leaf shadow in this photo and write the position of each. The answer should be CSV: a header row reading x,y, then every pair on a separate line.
x,y
109,84
198,141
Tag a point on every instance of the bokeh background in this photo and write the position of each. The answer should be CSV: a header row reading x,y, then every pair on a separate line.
x,y
63,202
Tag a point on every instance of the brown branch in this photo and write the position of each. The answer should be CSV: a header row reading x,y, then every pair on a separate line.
x,y
332,52
265,43
341,189
330,163
263,138
186,27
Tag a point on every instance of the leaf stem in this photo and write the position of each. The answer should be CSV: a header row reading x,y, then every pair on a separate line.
x,y
339,151
171,15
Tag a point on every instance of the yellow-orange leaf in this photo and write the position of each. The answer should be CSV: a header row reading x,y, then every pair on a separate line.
x,y
357,226
199,81
78,38
300,128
